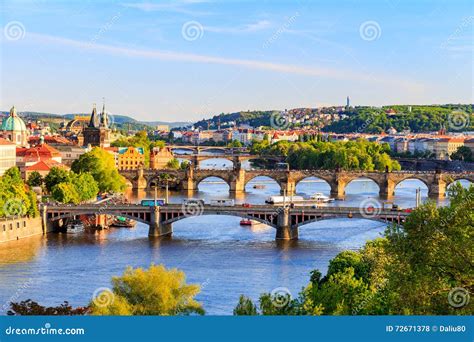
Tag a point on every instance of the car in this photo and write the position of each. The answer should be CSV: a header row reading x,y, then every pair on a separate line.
x,y
246,205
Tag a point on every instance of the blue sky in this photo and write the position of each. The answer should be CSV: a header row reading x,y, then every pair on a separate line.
x,y
188,59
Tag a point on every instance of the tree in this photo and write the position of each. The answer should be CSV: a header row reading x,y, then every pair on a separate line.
x,y
245,307
65,192
16,199
31,308
463,153
155,291
85,186
184,165
35,179
101,165
173,164
431,255
55,176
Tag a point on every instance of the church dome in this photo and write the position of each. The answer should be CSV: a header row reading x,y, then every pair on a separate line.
x,y
13,122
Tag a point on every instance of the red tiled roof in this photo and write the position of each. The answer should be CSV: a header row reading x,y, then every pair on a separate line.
x,y
45,165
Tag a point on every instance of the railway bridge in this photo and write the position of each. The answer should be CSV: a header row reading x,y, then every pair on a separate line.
x,y
160,219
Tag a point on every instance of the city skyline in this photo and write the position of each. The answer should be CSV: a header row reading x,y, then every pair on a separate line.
x,y
188,60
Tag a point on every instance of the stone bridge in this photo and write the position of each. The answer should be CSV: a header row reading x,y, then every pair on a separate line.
x,y
285,220
237,159
237,178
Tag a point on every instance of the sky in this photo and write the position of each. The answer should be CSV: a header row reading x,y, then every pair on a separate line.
x,y
190,59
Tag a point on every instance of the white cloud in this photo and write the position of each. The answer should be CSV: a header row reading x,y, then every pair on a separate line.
x,y
310,71
173,6
252,27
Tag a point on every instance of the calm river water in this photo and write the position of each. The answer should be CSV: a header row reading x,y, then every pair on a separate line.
x,y
214,251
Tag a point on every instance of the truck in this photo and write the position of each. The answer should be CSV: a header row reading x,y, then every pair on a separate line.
x,y
222,202
153,203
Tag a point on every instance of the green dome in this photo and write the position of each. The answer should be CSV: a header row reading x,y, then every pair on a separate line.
x,y
13,122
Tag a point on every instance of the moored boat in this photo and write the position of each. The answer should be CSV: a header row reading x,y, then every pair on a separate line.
x,y
120,221
245,222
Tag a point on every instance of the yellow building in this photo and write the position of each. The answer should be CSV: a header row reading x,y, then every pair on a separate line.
x,y
444,147
160,157
130,158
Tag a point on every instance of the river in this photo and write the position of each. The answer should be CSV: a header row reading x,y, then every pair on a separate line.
x,y
225,258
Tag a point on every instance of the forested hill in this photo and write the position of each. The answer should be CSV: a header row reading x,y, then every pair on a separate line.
x,y
415,118
252,118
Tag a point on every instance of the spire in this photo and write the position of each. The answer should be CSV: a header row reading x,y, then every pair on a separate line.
x,y
13,111
93,120
104,120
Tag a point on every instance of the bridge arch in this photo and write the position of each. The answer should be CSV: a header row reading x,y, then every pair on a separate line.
x,y
374,219
368,186
216,177
266,180
322,185
104,212
462,180
241,215
257,175
399,187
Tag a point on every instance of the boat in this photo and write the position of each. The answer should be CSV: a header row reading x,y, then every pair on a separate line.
x,y
120,221
245,222
259,186
321,198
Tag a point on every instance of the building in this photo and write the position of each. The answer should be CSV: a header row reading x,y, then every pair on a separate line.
x,y
14,129
97,132
444,147
159,157
7,155
27,158
130,158
43,167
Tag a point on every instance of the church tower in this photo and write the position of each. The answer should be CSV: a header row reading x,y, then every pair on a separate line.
x,y
97,133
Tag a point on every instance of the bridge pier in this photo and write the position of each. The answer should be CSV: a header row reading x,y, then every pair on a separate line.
x,y
157,228
387,189
140,182
288,187
338,189
237,183
284,229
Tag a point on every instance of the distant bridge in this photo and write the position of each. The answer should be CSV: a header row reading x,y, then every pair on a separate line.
x,y
238,178
285,220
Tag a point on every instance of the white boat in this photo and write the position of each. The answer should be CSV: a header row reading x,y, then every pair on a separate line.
x,y
222,202
319,197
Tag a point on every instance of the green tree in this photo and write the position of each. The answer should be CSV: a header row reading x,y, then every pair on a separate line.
x,y
35,179
173,164
463,153
85,186
245,307
155,291
16,199
101,165
65,192
55,176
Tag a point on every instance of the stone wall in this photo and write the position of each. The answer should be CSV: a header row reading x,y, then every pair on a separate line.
x,y
19,228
